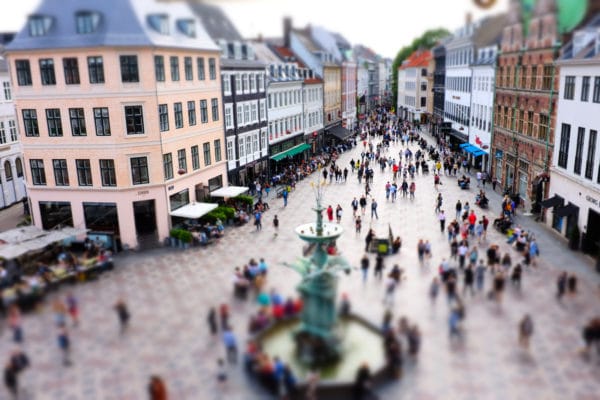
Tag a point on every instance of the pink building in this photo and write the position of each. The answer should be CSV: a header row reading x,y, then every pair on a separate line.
x,y
349,94
119,106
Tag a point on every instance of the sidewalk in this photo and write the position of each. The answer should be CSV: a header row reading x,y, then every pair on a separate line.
x,y
11,216
552,245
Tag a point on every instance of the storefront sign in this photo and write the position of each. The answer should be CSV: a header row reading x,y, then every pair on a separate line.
x,y
171,187
499,154
593,200
143,192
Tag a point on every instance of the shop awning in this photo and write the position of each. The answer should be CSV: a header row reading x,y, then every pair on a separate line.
x,y
469,148
19,241
229,191
567,210
194,210
339,132
291,152
553,201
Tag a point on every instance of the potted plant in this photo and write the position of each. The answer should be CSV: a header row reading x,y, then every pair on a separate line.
x,y
186,238
574,237
174,237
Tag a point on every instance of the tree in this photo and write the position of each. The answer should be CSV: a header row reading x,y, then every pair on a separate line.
x,y
426,41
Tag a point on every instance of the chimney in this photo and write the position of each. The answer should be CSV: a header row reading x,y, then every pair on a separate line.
x,y
287,28
468,19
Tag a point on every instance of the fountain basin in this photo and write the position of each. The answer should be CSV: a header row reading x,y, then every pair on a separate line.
x,y
308,232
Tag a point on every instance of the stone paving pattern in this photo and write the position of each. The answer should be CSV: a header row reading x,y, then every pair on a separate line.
x,y
169,292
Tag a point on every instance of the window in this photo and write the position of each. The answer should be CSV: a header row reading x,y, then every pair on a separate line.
x,y
543,127
159,22
585,88
23,72
244,82
163,117
181,160
246,113
2,133
569,87
189,71
254,112
129,69
134,120
533,80
174,68
579,151
200,66
529,123
139,170
107,173
39,25
77,122
71,68
423,101
239,111
178,111
230,150
30,122
261,82
47,71
203,111
212,69
548,77
215,109
263,140
218,150
206,148
168,166
241,147
226,83
86,22
159,68
12,126
61,173
19,167
596,95
589,164
252,79
563,151
195,158
7,94
262,110
191,106
102,121
228,120
84,172
38,174
96,69
54,122
238,83
187,27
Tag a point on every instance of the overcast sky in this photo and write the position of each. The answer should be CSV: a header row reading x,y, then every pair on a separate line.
x,y
383,25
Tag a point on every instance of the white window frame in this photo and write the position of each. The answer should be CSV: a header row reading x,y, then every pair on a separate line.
x,y
229,116
230,153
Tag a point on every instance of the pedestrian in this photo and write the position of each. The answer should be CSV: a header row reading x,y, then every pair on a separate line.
x,y
212,321
462,251
379,267
11,379
561,285
438,203
499,286
276,225
363,204
221,372
258,220
374,208
64,344
442,219
458,208
358,224
362,383
157,389
485,221
73,308
224,315
390,288
330,213
421,251
494,183
572,284
123,314
412,189
468,280
480,275
369,239
434,289
525,331
354,205
230,342
15,322
338,214
364,266
284,194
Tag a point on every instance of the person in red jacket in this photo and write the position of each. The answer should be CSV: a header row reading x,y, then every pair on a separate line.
x,y
472,221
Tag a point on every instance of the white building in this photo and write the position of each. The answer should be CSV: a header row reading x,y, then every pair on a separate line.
x,y
284,105
413,86
575,172
313,106
12,181
482,103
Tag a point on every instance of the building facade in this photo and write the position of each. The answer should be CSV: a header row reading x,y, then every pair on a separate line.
x,y
414,86
244,98
121,122
439,87
12,176
574,193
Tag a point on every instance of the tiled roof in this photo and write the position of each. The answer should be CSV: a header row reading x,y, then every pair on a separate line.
x,y
216,22
310,81
419,58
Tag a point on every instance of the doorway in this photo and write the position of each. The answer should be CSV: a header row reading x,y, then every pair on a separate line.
x,y
591,238
144,213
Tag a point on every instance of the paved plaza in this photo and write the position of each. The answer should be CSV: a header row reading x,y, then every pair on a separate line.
x,y
169,292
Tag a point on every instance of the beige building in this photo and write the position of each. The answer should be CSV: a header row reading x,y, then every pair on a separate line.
x,y
332,90
120,112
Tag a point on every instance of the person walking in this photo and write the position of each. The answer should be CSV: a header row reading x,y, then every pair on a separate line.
x,y
363,204
211,319
276,225
480,275
458,208
442,219
469,277
412,189
73,308
379,267
330,213
157,389
369,239
64,344
284,194
364,266
123,315
11,379
374,208
16,323
258,220
525,331
354,205
338,213
438,203
561,285
230,342
358,224
434,289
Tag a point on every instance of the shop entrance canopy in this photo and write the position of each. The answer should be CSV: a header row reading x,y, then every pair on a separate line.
x,y
229,191
194,210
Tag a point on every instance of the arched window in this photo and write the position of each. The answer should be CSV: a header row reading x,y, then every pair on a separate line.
x,y
8,171
19,167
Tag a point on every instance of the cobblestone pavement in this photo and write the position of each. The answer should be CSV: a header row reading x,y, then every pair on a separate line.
x,y
169,291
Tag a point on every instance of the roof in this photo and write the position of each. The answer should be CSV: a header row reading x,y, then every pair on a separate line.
x,y
216,22
313,81
264,53
418,59
490,31
306,40
120,23
365,52
3,64
341,41
248,64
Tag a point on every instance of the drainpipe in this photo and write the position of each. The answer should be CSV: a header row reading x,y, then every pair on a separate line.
x,y
493,115
550,109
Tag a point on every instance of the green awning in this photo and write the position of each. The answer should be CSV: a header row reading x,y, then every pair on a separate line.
x,y
291,152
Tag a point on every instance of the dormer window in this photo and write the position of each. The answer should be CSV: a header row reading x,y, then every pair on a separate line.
x,y
160,23
244,52
187,27
39,25
86,22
